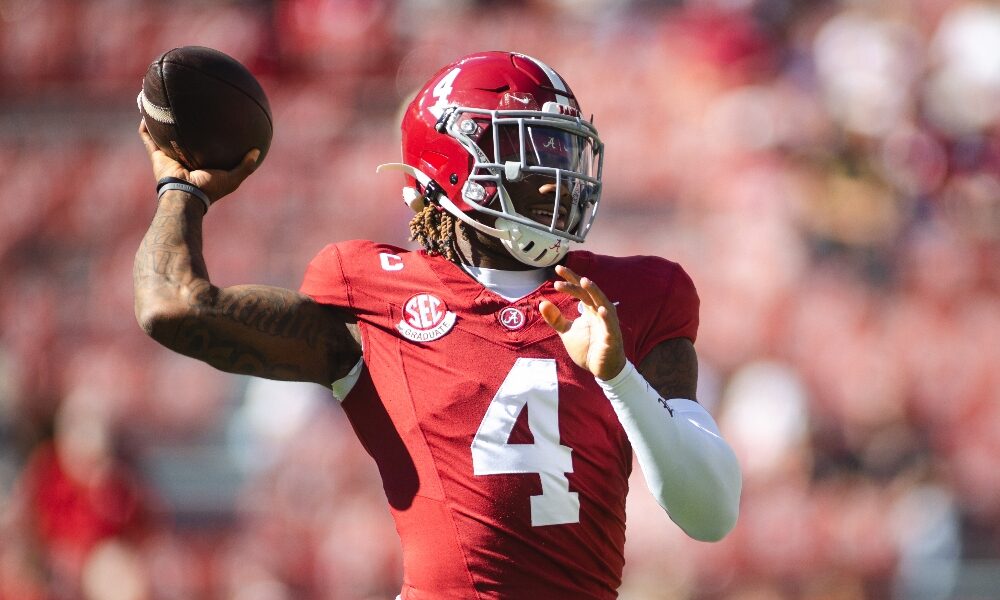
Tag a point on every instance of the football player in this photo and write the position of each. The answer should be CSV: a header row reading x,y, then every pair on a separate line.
x,y
500,381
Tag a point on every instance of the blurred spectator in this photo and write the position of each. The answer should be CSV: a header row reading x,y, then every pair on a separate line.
x,y
81,511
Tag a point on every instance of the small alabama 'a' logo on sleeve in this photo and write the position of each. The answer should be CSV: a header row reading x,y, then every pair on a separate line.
x,y
425,318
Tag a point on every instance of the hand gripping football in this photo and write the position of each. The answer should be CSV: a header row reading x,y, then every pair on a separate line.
x,y
204,109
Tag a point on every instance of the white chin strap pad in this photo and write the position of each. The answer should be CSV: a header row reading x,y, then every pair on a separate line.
x,y
532,247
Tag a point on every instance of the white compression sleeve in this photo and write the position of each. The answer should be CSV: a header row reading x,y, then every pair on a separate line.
x,y
689,468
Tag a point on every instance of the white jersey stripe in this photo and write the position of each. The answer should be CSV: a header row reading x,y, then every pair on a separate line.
x,y
557,81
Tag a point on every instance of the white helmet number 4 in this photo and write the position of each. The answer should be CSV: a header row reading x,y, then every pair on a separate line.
x,y
442,90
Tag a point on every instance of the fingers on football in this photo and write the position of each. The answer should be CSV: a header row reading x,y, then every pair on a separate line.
x,y
247,166
553,316
147,140
250,160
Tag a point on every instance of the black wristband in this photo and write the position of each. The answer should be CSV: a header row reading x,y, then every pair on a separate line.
x,y
174,183
167,180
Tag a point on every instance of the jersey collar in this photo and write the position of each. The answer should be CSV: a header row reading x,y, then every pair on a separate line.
x,y
509,285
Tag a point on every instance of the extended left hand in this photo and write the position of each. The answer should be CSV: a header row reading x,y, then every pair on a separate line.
x,y
594,340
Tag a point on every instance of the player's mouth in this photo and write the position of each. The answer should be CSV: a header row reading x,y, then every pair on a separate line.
x,y
543,214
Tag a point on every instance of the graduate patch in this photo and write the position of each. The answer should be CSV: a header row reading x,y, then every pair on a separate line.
x,y
425,318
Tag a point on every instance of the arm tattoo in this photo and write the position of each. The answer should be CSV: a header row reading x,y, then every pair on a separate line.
x,y
251,329
170,249
671,367
195,339
266,311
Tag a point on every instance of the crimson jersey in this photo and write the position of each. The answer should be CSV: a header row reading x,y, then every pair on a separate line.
x,y
504,464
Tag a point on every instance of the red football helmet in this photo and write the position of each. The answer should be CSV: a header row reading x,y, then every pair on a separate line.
x,y
496,117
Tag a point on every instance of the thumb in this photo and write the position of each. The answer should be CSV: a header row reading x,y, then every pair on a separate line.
x,y
248,165
553,316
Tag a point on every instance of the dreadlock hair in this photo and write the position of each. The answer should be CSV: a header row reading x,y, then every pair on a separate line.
x,y
434,229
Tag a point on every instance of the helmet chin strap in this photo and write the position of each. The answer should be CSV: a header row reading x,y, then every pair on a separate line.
x,y
528,245
532,247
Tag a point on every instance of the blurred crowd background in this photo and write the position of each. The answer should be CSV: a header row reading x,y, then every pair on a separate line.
x,y
826,171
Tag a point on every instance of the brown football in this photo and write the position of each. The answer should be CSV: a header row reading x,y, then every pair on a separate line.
x,y
204,108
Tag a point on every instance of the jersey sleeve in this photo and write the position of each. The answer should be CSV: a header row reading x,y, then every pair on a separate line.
x,y
345,273
326,283
675,300
325,280
354,276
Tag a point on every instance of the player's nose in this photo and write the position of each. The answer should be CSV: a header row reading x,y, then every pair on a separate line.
x,y
550,188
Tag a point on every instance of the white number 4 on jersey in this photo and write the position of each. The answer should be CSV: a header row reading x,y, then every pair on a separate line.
x,y
531,382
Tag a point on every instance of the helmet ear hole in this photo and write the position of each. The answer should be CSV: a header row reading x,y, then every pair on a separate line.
x,y
454,178
474,192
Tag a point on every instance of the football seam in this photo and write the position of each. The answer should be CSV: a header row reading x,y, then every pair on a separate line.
x,y
266,112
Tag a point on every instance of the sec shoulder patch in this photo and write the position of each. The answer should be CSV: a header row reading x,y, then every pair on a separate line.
x,y
425,318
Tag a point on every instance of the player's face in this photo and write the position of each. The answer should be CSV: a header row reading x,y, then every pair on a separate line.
x,y
546,149
534,197
544,153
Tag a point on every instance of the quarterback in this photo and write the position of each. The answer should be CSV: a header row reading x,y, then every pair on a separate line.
x,y
500,380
